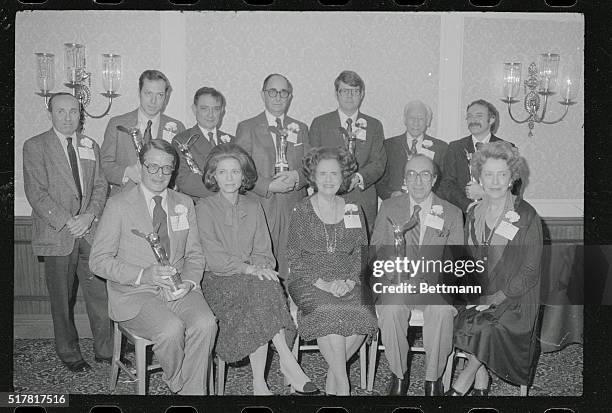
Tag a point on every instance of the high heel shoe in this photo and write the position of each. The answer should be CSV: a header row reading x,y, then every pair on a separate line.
x,y
309,389
482,392
453,392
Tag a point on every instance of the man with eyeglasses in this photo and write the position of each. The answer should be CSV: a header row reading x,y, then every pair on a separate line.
x,y
141,299
457,185
119,157
435,224
278,192
209,109
417,118
332,129
67,191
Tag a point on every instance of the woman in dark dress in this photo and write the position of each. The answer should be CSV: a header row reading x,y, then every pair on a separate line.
x,y
239,282
324,253
499,333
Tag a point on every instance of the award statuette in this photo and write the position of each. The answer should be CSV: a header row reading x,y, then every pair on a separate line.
x,y
135,134
184,149
349,140
160,255
281,164
399,242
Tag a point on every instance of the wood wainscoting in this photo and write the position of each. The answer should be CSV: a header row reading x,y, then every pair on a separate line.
x,y
32,315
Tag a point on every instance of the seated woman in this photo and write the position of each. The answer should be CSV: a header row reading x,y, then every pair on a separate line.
x,y
324,254
499,334
239,282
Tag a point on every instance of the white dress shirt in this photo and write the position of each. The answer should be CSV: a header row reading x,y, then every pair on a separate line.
x,y
64,145
205,133
425,209
143,119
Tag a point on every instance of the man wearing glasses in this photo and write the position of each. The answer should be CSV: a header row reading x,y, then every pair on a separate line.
x,y
347,122
457,185
119,156
140,296
208,108
260,137
435,224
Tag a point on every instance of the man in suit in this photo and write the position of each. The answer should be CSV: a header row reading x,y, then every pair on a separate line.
x,y
326,130
180,323
417,118
119,157
457,186
208,108
279,192
67,191
437,224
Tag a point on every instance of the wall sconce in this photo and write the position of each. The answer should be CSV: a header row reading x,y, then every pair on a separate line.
x,y
77,77
542,83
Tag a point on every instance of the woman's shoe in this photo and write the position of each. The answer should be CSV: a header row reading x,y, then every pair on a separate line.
x,y
308,389
453,392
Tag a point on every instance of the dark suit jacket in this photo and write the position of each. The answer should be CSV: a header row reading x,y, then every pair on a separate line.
x,y
188,182
371,156
118,255
397,151
253,135
118,150
53,195
457,171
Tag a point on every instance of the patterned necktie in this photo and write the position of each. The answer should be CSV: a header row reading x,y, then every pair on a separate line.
x,y
74,166
147,132
160,220
413,148
211,139
478,145
349,126
413,236
279,125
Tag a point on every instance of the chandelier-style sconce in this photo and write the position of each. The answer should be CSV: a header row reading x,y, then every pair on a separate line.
x,y
77,77
541,83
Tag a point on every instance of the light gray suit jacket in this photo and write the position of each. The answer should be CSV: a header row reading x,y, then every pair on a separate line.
x,y
53,195
118,150
118,255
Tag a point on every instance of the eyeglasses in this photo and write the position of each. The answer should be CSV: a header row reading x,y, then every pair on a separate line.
x,y
284,94
349,92
154,168
411,176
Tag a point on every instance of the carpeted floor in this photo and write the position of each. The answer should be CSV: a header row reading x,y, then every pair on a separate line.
x,y
38,370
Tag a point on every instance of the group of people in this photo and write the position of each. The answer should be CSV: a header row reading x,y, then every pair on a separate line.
x,y
249,242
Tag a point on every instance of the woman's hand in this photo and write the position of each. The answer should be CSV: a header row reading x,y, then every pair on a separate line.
x,y
263,273
339,288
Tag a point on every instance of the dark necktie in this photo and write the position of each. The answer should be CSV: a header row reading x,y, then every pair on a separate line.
x,y
160,223
413,147
349,126
74,166
478,145
211,139
414,234
279,125
147,132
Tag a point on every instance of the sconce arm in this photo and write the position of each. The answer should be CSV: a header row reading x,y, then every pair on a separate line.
x,y
510,102
110,97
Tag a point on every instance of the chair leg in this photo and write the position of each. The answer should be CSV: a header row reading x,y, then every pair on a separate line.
x,y
524,390
141,366
211,377
114,371
220,377
363,365
448,371
372,363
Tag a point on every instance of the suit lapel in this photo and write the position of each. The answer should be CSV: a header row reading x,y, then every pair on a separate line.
x,y
430,232
141,216
201,146
59,160
160,128
87,172
171,234
265,136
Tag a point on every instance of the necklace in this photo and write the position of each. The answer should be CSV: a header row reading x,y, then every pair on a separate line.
x,y
331,246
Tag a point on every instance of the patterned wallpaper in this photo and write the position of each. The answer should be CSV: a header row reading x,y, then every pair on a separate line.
x,y
397,54
555,153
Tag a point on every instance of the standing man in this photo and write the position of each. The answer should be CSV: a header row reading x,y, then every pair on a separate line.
x,y
457,186
438,224
417,118
326,130
180,324
67,191
119,157
208,108
278,193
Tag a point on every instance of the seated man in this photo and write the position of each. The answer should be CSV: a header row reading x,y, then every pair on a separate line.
x,y
140,297
438,223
